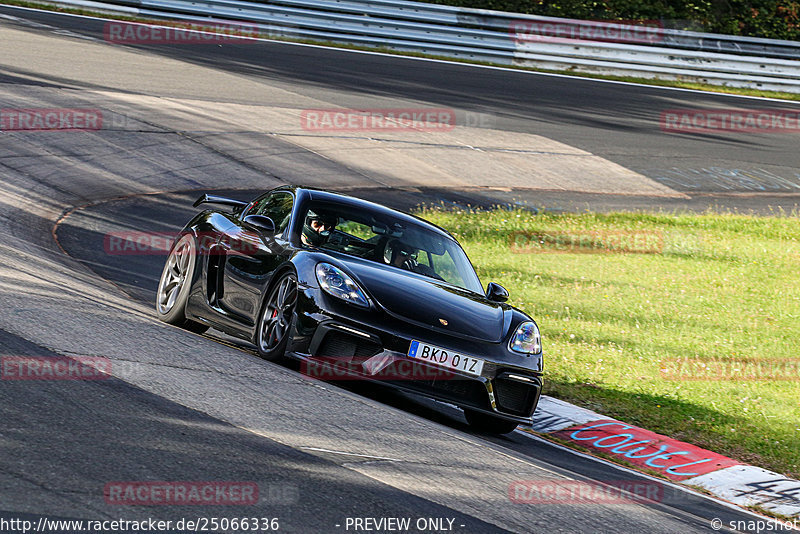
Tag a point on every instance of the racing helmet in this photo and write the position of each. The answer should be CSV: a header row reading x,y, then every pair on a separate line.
x,y
314,237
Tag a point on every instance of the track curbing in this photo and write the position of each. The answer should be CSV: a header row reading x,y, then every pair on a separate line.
x,y
681,462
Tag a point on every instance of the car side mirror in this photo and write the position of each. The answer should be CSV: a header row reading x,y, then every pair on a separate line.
x,y
496,292
262,223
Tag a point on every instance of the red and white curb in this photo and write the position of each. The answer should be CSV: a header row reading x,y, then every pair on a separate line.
x,y
745,485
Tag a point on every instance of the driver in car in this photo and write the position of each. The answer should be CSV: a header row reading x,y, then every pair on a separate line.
x,y
403,255
317,228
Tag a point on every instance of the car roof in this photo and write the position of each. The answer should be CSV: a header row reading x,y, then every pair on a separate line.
x,y
322,195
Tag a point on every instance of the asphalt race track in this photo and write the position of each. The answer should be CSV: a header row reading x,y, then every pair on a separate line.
x,y
180,407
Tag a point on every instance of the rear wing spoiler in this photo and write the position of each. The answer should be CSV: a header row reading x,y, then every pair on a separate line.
x,y
214,199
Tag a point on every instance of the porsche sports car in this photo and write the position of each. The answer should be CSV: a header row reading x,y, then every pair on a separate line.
x,y
354,289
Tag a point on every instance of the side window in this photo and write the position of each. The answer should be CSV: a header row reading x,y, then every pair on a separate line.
x,y
424,258
277,206
447,269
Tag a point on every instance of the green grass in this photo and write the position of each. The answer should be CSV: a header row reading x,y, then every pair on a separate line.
x,y
722,287
630,79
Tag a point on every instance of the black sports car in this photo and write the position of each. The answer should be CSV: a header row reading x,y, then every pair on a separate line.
x,y
354,289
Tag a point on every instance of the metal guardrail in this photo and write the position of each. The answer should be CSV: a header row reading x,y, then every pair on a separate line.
x,y
498,37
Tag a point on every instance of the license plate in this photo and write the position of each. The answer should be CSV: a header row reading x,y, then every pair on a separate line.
x,y
445,358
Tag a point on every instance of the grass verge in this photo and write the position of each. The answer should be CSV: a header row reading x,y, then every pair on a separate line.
x,y
720,290
629,79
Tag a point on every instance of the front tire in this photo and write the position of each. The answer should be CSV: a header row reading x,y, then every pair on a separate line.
x,y
175,283
488,424
275,321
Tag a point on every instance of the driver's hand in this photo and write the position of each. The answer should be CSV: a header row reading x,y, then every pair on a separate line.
x,y
410,264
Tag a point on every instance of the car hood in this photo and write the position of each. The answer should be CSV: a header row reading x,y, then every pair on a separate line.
x,y
425,301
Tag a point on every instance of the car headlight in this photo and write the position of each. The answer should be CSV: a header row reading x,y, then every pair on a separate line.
x,y
335,282
526,340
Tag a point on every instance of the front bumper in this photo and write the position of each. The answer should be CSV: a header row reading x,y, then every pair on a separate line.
x,y
338,341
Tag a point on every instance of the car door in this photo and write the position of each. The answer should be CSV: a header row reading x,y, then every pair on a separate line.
x,y
251,258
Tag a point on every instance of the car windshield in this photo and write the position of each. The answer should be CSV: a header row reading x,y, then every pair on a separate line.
x,y
398,242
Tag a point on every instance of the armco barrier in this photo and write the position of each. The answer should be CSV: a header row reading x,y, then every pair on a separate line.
x,y
498,37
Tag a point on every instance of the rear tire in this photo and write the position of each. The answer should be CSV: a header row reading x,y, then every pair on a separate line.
x,y
488,424
275,321
175,283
